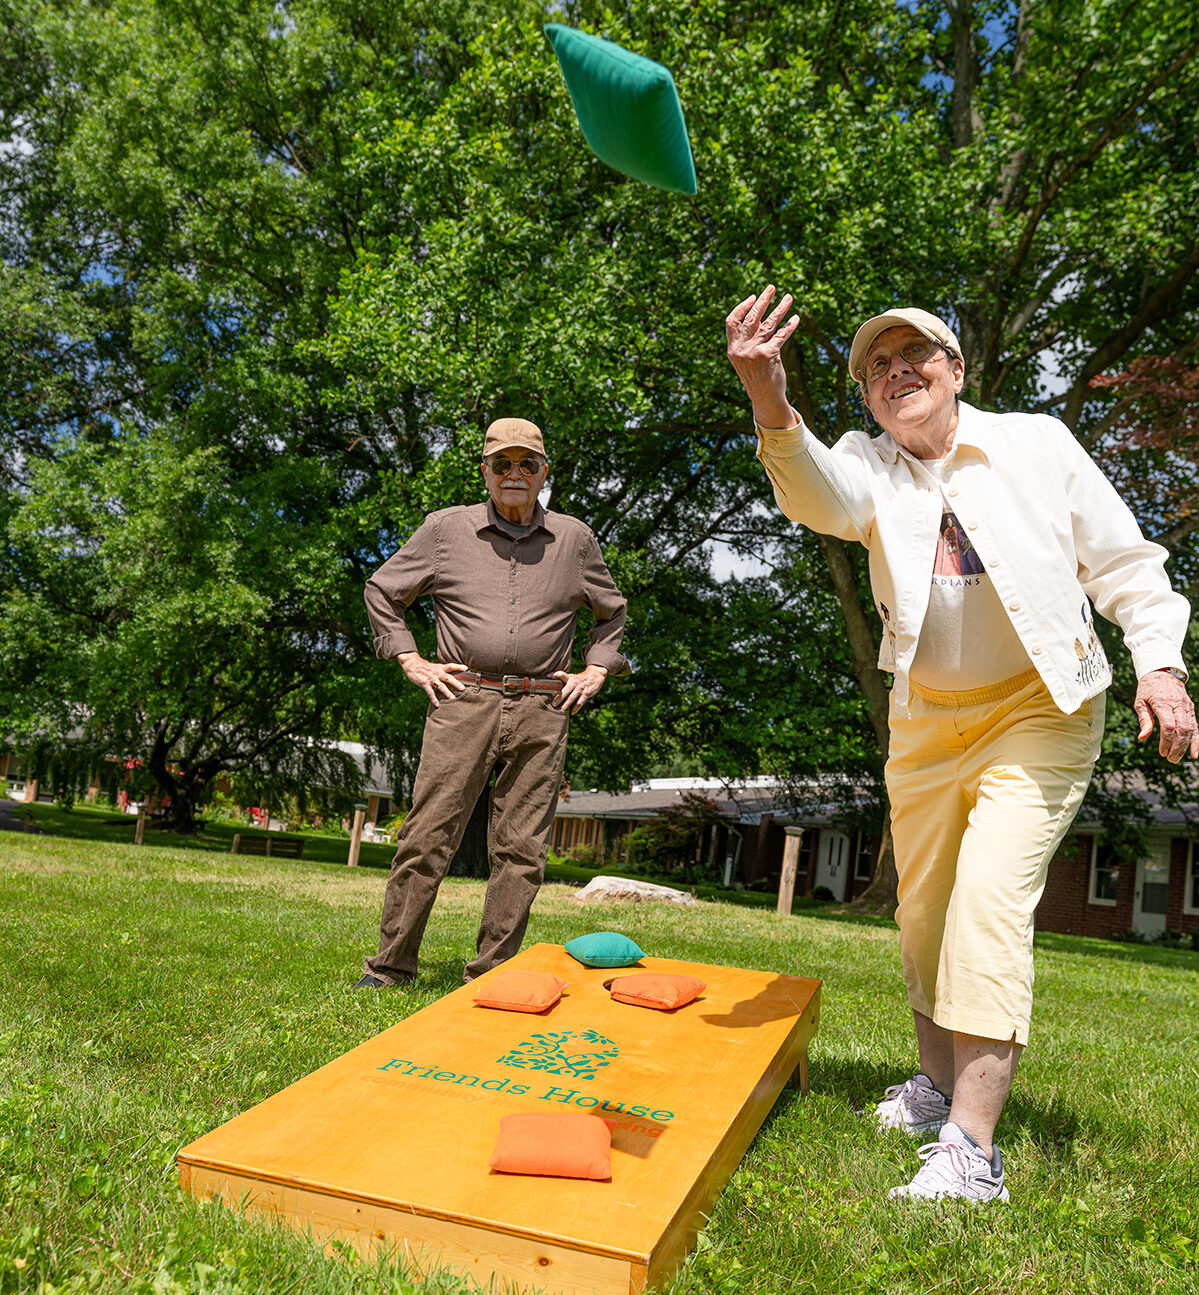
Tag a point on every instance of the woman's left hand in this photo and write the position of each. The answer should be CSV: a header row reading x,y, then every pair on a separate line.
x,y
1164,696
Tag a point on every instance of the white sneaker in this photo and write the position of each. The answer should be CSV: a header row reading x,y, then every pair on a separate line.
x,y
915,1107
954,1167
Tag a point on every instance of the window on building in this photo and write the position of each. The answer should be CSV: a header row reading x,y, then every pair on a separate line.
x,y
1190,900
1153,878
1105,873
863,858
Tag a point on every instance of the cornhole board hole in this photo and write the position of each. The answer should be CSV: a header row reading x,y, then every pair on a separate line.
x,y
389,1144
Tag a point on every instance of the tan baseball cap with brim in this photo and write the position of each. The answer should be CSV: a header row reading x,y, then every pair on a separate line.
x,y
937,330
511,434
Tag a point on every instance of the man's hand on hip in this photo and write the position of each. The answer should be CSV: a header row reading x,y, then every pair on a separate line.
x,y
578,689
1163,696
432,676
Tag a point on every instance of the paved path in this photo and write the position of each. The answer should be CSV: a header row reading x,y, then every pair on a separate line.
x,y
12,816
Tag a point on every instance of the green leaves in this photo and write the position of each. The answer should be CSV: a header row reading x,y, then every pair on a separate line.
x,y
267,272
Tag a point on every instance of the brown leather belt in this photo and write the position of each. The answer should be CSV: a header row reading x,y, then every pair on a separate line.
x,y
511,685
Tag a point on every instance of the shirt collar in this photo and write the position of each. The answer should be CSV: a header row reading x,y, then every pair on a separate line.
x,y
495,521
971,434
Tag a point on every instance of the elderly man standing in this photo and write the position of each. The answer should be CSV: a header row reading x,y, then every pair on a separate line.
x,y
990,536
507,580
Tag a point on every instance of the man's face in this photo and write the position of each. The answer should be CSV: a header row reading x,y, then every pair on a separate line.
x,y
510,483
905,394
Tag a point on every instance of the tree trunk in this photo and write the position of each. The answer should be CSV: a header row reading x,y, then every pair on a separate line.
x,y
181,815
862,644
881,896
183,792
966,73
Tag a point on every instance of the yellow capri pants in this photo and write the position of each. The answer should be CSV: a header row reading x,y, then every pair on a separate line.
x,y
983,785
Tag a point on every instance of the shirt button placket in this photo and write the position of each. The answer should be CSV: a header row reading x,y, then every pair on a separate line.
x,y
514,593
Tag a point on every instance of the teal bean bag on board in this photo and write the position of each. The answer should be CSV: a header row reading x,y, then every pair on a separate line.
x,y
604,949
627,107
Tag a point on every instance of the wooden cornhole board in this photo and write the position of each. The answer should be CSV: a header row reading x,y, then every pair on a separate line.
x,y
388,1145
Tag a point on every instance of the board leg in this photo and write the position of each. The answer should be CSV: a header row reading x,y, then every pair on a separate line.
x,y
799,1076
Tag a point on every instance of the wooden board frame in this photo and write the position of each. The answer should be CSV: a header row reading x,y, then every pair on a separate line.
x,y
387,1146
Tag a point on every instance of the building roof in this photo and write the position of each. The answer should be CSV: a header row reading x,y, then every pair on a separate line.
x,y
823,800
1182,815
818,800
377,779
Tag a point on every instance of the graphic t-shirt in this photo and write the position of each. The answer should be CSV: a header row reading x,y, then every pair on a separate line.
x,y
967,640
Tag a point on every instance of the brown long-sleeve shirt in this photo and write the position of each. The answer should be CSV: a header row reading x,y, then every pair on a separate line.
x,y
502,605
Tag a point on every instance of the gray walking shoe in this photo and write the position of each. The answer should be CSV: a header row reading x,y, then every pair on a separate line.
x,y
955,1169
915,1106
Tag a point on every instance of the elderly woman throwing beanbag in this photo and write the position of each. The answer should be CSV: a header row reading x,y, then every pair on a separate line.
x,y
990,538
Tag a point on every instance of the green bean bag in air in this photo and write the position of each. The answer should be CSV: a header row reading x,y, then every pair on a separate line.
x,y
627,107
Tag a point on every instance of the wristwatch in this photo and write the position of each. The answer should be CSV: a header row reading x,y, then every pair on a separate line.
x,y
1180,675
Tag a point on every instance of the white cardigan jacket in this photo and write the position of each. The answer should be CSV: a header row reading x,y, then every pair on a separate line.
x,y
1053,533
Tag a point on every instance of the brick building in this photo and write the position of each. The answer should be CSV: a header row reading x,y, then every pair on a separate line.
x,y
1091,889
746,844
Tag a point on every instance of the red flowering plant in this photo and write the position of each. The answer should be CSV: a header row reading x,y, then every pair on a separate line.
x,y
1148,443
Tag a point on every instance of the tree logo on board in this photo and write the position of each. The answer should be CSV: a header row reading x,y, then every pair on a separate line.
x,y
581,1054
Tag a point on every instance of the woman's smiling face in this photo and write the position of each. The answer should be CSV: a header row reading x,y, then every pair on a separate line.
x,y
910,397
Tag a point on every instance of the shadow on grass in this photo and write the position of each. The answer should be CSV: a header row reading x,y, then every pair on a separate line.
x,y
440,975
105,824
96,823
828,913
853,1084
1118,950
803,906
856,1081
859,1084
1052,1128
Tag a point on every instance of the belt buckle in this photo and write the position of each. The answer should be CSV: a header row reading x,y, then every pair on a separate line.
x,y
514,684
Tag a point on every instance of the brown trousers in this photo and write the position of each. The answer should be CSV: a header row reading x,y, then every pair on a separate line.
x,y
524,738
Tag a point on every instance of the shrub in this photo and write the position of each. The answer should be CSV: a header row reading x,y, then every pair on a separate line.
x,y
586,855
668,845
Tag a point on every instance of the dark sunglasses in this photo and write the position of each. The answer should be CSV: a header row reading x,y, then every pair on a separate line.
x,y
501,466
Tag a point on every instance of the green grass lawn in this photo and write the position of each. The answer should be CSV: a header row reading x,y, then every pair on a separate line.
x,y
103,823
148,995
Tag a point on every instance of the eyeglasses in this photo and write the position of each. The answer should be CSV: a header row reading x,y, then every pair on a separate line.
x,y
918,351
501,466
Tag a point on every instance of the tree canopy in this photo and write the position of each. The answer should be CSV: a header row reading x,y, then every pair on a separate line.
x,y
270,269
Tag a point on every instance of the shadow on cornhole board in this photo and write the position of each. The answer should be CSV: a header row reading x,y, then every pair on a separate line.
x,y
388,1145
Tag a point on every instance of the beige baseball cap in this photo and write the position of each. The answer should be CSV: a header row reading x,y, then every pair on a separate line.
x,y
935,329
511,434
